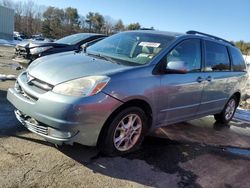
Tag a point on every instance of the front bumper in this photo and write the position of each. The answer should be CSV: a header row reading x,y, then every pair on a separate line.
x,y
22,55
83,116
42,130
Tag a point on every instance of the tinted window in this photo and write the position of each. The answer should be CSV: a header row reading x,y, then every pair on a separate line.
x,y
73,39
216,57
238,61
187,56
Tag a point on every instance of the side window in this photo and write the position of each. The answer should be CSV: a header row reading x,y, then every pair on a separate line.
x,y
217,58
185,56
238,61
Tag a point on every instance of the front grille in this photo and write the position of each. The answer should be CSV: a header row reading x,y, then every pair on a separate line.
x,y
32,124
40,84
35,87
25,94
37,128
21,51
32,81
28,96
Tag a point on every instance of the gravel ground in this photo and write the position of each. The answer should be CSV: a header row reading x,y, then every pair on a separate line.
x,y
198,153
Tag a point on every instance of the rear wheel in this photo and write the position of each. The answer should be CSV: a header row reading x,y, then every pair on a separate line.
x,y
228,112
125,132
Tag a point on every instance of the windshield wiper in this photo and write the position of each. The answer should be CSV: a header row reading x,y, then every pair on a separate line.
x,y
103,57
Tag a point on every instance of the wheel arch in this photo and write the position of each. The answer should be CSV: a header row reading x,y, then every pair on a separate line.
x,y
145,106
237,94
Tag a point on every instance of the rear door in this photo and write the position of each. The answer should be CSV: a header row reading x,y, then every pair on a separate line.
x,y
217,71
181,93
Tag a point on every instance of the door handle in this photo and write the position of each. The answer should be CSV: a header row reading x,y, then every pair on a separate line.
x,y
209,78
200,79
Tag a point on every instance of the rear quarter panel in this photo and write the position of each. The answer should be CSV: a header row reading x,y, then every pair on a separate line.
x,y
238,83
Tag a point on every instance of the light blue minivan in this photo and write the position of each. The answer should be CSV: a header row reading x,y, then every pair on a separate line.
x,y
123,87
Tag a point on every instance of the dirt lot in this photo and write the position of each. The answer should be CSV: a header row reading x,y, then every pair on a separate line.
x,y
199,153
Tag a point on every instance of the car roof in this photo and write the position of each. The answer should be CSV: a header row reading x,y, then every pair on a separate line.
x,y
90,34
167,33
187,34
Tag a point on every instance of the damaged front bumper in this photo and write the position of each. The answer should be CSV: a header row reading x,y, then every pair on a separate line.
x,y
50,134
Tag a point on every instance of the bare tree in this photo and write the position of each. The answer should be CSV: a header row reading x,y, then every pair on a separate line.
x,y
54,22
18,7
119,26
108,27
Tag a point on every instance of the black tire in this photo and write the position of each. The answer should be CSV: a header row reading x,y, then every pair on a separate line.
x,y
224,117
107,140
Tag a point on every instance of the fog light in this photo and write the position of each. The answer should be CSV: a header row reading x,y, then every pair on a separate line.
x,y
59,134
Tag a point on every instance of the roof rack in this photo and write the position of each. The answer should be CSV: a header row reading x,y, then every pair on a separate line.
x,y
211,36
145,28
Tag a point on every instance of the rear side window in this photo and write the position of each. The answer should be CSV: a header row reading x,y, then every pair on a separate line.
x,y
238,61
217,58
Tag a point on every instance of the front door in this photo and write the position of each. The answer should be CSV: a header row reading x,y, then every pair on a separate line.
x,y
181,93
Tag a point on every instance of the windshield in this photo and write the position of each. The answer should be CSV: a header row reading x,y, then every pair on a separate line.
x,y
73,39
134,47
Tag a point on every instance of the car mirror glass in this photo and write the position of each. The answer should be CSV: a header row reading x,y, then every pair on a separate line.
x,y
176,66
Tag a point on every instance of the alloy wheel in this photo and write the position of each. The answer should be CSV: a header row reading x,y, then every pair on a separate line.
x,y
127,132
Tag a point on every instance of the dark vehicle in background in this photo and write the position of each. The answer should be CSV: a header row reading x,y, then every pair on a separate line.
x,y
27,52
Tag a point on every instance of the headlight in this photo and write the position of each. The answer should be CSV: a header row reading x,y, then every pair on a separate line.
x,y
85,86
39,50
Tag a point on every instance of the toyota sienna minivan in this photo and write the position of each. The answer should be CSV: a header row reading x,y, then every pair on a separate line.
x,y
127,85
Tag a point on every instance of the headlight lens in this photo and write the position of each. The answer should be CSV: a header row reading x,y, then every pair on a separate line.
x,y
84,87
39,50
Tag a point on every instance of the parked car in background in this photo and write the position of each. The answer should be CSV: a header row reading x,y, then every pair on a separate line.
x,y
27,51
38,37
127,85
247,60
19,36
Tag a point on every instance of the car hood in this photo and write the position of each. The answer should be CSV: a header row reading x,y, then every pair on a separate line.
x,y
44,44
28,44
23,44
55,69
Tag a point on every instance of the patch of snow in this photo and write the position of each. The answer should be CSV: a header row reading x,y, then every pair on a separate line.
x,y
4,77
10,77
247,58
4,42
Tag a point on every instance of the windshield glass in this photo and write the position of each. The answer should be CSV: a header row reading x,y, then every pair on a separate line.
x,y
134,47
73,39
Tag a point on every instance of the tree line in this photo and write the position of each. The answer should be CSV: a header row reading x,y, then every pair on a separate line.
x,y
54,22
243,46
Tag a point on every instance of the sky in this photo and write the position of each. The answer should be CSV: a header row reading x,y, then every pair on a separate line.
x,y
229,19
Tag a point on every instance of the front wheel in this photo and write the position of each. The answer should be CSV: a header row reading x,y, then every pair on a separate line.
x,y
125,132
228,112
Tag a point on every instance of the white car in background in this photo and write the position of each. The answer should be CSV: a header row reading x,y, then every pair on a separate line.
x,y
247,60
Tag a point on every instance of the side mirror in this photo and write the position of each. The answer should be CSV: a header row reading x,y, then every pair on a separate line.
x,y
176,66
84,47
